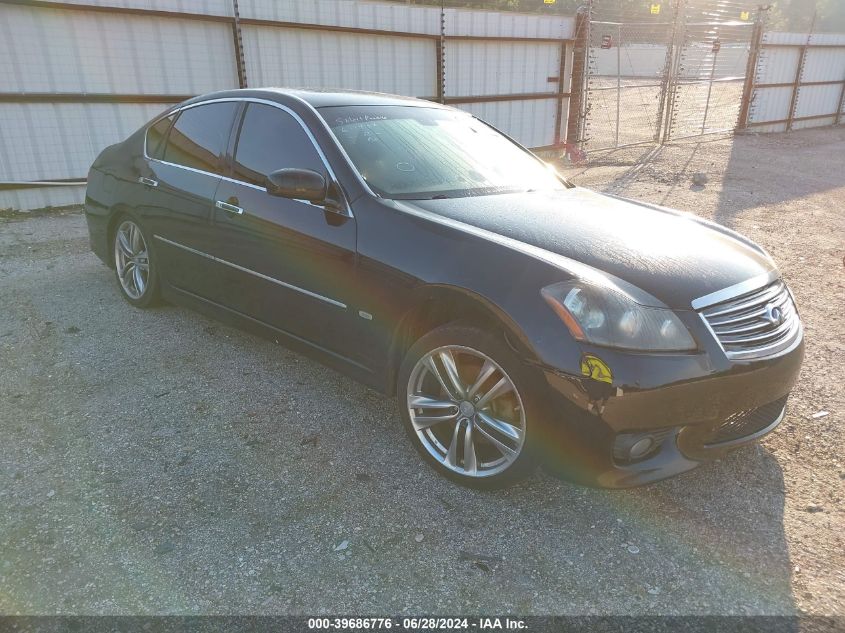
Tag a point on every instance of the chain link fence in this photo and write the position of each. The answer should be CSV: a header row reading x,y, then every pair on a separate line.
x,y
679,74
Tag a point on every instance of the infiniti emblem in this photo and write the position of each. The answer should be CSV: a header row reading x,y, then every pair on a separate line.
x,y
774,314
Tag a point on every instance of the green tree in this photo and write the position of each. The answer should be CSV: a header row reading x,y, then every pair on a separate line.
x,y
797,15
784,15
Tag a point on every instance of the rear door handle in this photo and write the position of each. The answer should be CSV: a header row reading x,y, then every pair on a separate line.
x,y
231,208
148,181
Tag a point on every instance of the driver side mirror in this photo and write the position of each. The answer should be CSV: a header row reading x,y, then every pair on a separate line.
x,y
301,184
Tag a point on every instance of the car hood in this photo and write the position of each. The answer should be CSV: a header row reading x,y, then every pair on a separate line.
x,y
672,256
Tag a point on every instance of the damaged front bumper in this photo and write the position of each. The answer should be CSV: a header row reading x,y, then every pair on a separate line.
x,y
649,417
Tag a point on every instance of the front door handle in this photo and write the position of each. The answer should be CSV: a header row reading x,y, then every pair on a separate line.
x,y
231,208
148,181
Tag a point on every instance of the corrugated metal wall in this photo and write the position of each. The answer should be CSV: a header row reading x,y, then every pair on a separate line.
x,y
76,79
800,82
288,57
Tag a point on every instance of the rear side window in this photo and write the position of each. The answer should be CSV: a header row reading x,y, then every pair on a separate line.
x,y
272,139
156,137
200,135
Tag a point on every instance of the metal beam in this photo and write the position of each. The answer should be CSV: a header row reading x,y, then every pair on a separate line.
x,y
799,72
520,96
88,97
814,117
561,92
751,70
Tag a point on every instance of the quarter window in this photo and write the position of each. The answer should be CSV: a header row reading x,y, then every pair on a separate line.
x,y
156,136
272,139
200,136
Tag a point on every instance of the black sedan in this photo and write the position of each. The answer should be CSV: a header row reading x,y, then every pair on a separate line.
x,y
516,318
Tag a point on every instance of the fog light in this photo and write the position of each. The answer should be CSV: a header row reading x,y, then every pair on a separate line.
x,y
641,448
635,447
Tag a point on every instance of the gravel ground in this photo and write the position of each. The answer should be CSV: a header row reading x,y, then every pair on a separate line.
x,y
159,462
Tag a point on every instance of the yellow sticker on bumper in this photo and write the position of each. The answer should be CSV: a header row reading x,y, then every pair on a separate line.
x,y
596,369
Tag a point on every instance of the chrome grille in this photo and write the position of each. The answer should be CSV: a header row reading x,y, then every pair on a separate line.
x,y
747,326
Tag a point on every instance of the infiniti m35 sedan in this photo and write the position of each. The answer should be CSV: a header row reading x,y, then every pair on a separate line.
x,y
517,318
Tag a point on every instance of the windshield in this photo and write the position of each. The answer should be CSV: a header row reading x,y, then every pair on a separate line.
x,y
407,152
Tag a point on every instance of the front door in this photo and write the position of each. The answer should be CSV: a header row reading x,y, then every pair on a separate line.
x,y
287,263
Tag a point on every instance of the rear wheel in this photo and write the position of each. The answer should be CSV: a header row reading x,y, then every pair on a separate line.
x,y
464,398
134,268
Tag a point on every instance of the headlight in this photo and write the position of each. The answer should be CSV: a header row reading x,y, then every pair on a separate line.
x,y
607,317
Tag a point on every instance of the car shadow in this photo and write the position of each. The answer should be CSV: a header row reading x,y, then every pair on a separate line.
x,y
713,536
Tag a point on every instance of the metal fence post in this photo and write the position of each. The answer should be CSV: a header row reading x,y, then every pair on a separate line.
x,y
561,89
673,63
751,69
240,60
580,57
799,74
796,87
618,80
841,105
441,57
710,88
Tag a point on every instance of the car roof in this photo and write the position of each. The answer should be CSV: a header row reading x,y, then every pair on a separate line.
x,y
326,98
319,98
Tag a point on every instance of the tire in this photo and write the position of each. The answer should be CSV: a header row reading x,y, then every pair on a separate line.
x,y
134,264
496,423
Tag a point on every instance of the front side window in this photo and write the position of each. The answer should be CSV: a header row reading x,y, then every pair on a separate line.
x,y
272,139
200,135
156,136
407,152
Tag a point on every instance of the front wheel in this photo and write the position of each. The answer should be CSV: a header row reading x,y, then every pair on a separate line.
x,y
465,402
135,270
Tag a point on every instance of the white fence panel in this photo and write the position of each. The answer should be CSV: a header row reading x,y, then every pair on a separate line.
x,y
781,62
70,51
59,141
771,104
41,197
381,16
473,22
105,59
201,7
777,65
824,64
818,101
293,57
532,122
491,67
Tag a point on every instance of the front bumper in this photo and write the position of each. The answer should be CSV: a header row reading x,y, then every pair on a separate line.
x,y
702,408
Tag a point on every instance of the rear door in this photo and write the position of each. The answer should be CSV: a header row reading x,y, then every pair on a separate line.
x,y
289,263
184,173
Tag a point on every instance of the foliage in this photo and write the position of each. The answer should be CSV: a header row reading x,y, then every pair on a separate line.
x,y
797,15
784,15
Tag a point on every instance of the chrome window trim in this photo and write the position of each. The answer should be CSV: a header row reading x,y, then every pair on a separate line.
x,y
252,272
347,211
736,290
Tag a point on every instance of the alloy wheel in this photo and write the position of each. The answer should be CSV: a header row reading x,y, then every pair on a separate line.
x,y
131,259
466,411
